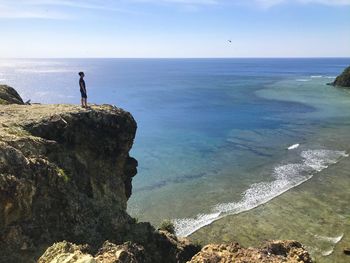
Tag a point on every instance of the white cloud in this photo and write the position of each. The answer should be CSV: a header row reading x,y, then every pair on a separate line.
x,y
186,2
23,9
270,3
53,9
266,3
59,9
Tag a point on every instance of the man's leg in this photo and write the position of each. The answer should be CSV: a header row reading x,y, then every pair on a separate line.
x,y
82,102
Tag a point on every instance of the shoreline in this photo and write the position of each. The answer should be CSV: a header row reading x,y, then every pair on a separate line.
x,y
294,214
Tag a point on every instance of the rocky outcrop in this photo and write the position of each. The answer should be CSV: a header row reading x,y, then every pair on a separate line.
x,y
65,174
271,252
65,252
128,252
9,95
65,178
343,80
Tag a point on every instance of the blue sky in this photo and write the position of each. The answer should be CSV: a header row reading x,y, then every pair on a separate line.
x,y
175,28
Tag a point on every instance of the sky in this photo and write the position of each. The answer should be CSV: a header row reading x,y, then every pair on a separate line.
x,y
174,28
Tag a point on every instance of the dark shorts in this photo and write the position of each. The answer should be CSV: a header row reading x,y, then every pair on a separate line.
x,y
83,94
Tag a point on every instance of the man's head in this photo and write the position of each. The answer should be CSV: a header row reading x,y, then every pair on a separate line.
x,y
81,74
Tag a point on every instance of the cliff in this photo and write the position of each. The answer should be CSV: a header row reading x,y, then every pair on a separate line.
x,y
343,80
65,174
65,179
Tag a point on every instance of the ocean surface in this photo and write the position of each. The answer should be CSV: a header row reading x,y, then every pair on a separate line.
x,y
216,137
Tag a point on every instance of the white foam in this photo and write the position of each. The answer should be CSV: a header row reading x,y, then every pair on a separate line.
x,y
294,146
320,159
187,226
302,80
316,76
327,252
285,177
333,240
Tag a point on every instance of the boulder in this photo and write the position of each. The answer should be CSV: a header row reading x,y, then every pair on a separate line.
x,y
9,95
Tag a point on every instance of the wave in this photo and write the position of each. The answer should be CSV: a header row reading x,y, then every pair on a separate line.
x,y
294,146
333,240
302,80
321,76
285,177
327,252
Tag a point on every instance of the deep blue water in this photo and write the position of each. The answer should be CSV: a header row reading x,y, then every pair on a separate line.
x,y
209,130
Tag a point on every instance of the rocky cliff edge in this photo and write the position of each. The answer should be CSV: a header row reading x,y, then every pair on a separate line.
x,y
65,178
65,174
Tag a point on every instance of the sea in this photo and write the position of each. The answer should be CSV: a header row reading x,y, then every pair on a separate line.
x,y
228,149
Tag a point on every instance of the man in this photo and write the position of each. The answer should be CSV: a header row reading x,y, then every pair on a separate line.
x,y
83,90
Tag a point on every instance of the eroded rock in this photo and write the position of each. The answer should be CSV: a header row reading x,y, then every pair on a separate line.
x,y
65,174
271,252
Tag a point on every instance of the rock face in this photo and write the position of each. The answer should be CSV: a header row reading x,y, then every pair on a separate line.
x,y
65,174
271,252
343,80
9,95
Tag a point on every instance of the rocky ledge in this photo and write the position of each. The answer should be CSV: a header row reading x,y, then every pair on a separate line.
x,y
270,252
65,179
343,80
65,174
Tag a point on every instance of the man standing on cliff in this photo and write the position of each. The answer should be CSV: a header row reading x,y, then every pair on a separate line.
x,y
83,90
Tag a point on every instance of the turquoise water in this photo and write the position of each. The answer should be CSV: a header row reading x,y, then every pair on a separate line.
x,y
213,134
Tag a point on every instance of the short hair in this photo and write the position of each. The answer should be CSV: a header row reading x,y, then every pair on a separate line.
x,y
81,73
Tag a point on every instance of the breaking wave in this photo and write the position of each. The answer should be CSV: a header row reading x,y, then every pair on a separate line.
x,y
285,177
333,240
294,146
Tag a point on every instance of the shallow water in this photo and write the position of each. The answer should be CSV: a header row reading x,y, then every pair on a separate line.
x,y
315,213
213,137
